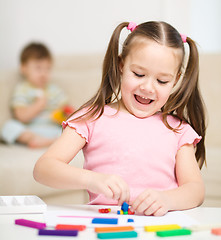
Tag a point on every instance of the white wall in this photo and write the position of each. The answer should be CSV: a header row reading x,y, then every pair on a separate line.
x,y
206,24
85,26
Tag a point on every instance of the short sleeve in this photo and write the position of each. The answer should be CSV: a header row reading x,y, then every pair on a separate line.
x,y
80,126
19,97
187,135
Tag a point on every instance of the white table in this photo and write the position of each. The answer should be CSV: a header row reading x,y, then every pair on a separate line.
x,y
9,231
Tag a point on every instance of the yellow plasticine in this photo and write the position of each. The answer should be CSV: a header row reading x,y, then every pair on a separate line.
x,y
155,228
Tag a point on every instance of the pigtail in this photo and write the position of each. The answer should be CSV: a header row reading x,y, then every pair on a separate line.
x,y
110,85
186,102
111,70
195,105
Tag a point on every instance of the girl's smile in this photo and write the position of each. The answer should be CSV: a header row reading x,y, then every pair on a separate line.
x,y
149,74
143,100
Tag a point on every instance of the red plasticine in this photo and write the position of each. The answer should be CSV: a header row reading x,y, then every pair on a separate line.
x,y
70,227
216,231
130,212
104,210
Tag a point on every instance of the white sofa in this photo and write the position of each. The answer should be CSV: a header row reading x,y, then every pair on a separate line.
x,y
80,76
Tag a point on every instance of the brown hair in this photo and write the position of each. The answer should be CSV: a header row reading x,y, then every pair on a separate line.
x,y
35,51
185,102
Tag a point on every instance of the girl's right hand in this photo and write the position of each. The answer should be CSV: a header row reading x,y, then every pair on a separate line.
x,y
111,186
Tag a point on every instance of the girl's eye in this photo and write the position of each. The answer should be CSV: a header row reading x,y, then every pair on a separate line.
x,y
138,75
161,82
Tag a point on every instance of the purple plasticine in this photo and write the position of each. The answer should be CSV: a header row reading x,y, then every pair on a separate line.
x,y
28,223
58,232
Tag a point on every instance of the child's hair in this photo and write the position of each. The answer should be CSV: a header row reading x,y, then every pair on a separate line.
x,y
35,51
185,102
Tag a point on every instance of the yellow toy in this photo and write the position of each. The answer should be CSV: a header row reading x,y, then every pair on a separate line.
x,y
61,115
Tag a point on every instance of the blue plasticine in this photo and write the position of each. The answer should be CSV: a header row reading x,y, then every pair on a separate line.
x,y
130,220
105,220
125,207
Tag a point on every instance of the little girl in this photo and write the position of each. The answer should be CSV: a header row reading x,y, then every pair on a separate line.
x,y
143,133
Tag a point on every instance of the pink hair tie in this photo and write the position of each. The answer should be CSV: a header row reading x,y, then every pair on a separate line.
x,y
131,26
183,36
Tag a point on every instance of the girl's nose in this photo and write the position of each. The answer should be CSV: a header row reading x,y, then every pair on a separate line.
x,y
147,86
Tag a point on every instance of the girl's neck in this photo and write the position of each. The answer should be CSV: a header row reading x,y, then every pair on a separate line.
x,y
119,105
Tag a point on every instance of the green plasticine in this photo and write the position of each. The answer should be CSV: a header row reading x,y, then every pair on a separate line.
x,y
109,235
175,232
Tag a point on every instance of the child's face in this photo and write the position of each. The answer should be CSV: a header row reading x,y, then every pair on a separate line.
x,y
37,71
149,73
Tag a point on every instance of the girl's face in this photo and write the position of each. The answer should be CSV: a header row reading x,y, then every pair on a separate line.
x,y
149,73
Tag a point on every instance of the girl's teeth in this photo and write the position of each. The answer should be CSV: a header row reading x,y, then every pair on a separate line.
x,y
143,100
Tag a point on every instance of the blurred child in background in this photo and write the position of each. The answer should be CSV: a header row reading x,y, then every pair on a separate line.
x,y
34,100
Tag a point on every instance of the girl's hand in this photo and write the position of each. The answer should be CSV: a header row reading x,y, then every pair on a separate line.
x,y
151,202
111,186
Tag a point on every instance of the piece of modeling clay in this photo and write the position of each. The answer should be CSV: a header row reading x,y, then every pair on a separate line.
x,y
111,235
176,232
105,220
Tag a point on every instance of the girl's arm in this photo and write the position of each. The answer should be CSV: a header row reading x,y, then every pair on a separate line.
x,y
52,169
191,190
189,194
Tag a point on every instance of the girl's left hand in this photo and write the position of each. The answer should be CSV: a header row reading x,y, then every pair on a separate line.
x,y
151,202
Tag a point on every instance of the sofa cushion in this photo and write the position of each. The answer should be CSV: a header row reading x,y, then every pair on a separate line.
x,y
16,170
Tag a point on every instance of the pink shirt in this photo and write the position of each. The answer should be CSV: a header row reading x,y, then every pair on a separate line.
x,y
141,151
